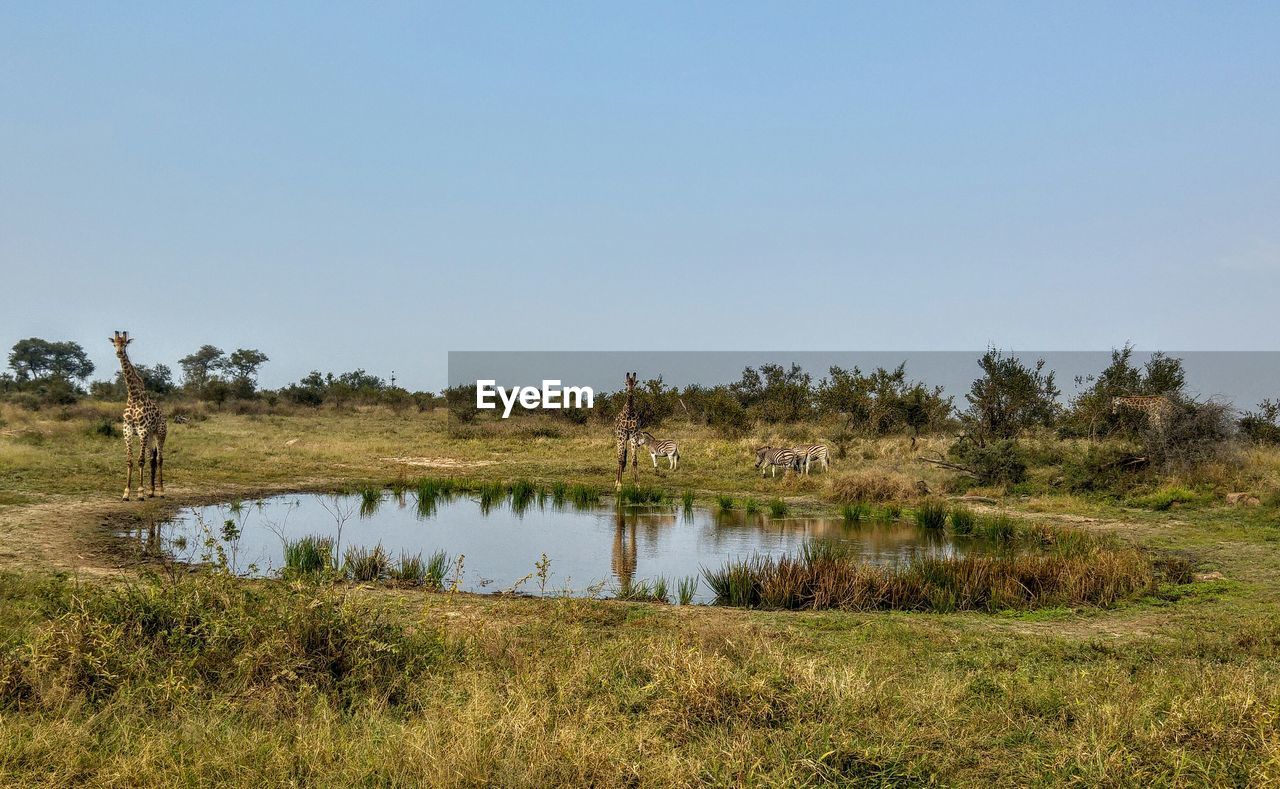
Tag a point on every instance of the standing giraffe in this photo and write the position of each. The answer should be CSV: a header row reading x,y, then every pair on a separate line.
x,y
142,420
624,431
1158,408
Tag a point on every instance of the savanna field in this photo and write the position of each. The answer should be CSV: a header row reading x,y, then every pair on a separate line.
x,y
121,669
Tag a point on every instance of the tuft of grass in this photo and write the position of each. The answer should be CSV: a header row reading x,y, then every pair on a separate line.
x,y
751,506
962,519
891,512
370,499
522,492
366,565
777,508
584,496
854,513
997,528
1167,498
641,494
410,569
437,567
931,515
309,555
725,501
688,587
870,486
686,500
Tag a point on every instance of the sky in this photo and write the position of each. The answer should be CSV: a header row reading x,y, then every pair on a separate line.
x,y
374,185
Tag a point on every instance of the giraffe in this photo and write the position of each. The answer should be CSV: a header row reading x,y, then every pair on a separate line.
x,y
624,431
1156,407
142,420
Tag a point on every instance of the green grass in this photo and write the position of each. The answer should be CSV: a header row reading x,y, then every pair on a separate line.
x,y
309,555
931,515
777,508
962,520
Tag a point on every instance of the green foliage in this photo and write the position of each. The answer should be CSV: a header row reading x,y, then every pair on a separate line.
x,y
777,508
931,514
366,565
642,494
410,569
1092,412
1009,398
996,463
854,513
725,501
1263,425
309,555
688,587
36,359
882,401
962,520
1168,497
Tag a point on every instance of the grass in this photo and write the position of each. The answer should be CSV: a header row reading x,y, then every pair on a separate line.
x,y
309,555
854,513
642,494
962,520
777,508
931,515
725,502
128,680
824,577
366,565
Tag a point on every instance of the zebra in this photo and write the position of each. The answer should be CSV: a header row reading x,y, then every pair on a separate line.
x,y
769,458
659,448
807,453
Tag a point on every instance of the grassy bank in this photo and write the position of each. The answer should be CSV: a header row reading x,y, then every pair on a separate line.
x,y
113,679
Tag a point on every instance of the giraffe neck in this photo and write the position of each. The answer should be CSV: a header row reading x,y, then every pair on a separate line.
x,y
132,380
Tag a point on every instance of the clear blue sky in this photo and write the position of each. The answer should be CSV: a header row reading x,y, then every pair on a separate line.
x,y
374,185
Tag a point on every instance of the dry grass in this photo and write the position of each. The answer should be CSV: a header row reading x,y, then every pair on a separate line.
x,y
870,486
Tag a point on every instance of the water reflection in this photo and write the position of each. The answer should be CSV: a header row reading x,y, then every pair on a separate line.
x,y
503,534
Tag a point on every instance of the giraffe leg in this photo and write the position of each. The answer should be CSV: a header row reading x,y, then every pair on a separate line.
x,y
128,463
160,461
143,441
622,462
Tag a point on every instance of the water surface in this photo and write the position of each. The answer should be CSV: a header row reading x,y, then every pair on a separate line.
x,y
593,550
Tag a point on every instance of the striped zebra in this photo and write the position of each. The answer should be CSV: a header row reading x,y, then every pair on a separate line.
x,y
665,448
769,458
808,453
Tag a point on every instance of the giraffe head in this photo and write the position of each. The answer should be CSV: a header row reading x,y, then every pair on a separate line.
x,y
120,340
631,382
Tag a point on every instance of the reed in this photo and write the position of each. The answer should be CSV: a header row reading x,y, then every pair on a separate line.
x,y
309,555
854,513
824,576
931,515
437,567
410,569
641,494
363,564
962,520
688,587
725,501
777,508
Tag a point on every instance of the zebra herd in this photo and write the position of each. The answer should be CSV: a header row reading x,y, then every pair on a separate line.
x,y
768,459
794,458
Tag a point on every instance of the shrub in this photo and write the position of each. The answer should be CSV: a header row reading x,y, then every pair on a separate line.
x,y
1192,435
1263,425
1167,497
995,463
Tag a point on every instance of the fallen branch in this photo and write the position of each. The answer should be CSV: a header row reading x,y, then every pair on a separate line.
x,y
949,465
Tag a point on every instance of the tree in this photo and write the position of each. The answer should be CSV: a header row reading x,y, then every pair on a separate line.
x,y
1009,398
200,367
243,364
1091,410
35,359
157,380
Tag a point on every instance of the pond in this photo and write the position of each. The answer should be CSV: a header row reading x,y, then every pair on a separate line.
x,y
590,549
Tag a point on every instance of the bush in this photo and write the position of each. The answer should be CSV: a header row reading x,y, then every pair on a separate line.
x,y
1105,468
996,463
1263,425
1192,435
